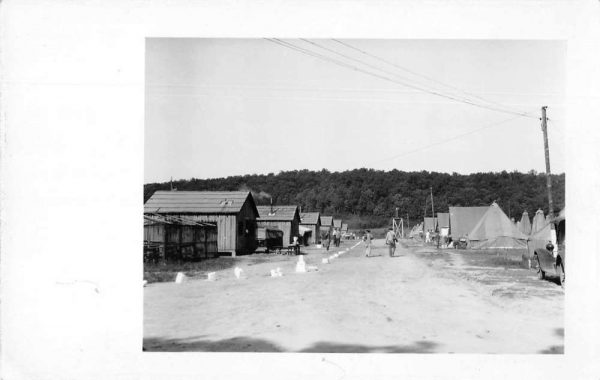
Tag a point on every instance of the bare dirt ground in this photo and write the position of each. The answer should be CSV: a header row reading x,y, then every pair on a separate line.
x,y
423,301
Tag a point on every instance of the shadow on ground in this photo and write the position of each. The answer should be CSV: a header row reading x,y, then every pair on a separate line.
x,y
327,347
237,344
553,350
246,344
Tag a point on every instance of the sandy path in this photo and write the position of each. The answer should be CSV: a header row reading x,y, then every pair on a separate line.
x,y
410,303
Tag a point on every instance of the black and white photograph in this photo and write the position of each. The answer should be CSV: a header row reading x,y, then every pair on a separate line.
x,y
354,196
283,189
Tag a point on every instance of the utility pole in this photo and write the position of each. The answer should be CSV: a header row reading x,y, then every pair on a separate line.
x,y
547,152
432,211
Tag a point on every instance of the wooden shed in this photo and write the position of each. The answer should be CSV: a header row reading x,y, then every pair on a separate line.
x,y
284,218
234,213
175,238
337,225
312,222
344,228
326,225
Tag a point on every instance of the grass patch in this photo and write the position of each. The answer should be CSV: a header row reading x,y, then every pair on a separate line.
x,y
495,258
166,272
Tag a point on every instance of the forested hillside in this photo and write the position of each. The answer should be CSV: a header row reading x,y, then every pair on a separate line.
x,y
368,198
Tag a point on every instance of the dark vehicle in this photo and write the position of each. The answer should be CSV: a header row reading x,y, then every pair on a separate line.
x,y
541,250
462,243
268,238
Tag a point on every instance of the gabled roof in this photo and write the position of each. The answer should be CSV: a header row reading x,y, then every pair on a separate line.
x,y
337,223
280,213
463,219
309,218
443,219
197,202
326,221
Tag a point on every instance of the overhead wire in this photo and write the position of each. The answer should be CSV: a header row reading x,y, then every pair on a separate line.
x,y
357,60
456,137
423,76
386,78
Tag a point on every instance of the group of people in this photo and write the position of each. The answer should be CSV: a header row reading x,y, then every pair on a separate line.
x,y
336,236
390,241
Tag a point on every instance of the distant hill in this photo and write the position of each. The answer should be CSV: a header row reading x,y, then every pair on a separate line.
x,y
368,198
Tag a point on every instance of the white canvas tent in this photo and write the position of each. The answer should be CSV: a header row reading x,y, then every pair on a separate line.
x,y
525,226
495,230
539,222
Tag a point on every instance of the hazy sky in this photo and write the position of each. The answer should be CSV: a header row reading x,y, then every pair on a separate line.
x,y
220,107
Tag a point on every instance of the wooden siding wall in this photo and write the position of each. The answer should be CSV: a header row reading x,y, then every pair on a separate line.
x,y
246,243
286,227
317,233
226,227
229,238
295,228
324,229
195,242
316,230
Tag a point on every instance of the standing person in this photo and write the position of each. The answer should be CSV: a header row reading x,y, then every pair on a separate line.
x,y
327,240
390,241
367,239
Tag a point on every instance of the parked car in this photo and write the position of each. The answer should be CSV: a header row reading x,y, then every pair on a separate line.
x,y
548,258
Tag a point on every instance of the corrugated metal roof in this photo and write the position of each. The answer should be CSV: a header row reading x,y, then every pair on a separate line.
x,y
326,220
309,218
280,213
200,202
463,219
337,223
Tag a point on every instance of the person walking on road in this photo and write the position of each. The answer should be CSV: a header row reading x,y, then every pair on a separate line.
x,y
368,242
390,241
327,240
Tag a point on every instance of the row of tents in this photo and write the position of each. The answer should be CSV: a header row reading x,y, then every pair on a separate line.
x,y
486,227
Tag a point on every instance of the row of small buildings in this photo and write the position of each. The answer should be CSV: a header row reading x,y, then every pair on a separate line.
x,y
231,218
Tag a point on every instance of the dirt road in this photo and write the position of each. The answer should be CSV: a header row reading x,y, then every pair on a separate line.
x,y
421,301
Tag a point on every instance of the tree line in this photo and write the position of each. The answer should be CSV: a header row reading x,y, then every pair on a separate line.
x,y
369,198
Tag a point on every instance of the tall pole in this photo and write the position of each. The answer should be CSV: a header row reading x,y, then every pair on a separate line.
x,y
432,211
547,152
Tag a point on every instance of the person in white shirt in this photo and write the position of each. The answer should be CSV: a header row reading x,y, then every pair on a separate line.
x,y
367,239
390,241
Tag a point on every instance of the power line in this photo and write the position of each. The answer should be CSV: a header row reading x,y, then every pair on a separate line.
x,y
361,62
352,67
446,140
423,76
